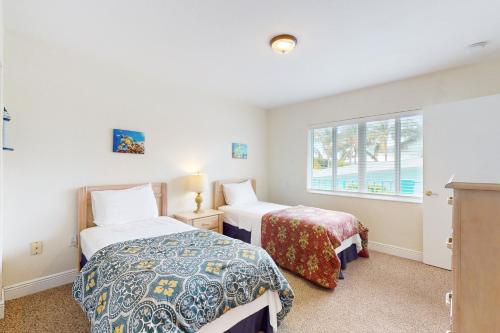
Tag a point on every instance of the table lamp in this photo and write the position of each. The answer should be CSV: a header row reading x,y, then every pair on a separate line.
x,y
197,183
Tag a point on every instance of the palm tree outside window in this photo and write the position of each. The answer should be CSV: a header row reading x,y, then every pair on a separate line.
x,y
380,156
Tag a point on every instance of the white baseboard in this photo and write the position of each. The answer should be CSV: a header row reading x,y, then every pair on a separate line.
x,y
40,284
395,250
51,281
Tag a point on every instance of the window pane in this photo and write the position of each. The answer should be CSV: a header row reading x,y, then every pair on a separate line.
x,y
338,157
347,158
380,156
411,156
322,178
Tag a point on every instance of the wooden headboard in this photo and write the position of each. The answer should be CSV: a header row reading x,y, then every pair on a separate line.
x,y
219,199
85,216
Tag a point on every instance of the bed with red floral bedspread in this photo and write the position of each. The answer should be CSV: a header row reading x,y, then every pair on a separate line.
x,y
303,240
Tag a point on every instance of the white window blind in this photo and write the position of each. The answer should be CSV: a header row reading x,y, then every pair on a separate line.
x,y
382,156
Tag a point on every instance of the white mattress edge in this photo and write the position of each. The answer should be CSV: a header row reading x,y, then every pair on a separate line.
x,y
232,317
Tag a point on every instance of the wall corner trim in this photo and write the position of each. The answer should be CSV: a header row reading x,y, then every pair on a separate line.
x,y
396,251
2,304
39,284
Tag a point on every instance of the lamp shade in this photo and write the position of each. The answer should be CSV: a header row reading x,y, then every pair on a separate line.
x,y
197,183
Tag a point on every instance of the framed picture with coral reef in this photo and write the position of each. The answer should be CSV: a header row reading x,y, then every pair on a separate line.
x,y
128,142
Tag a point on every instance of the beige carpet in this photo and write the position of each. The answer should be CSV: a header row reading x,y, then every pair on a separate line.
x,y
381,294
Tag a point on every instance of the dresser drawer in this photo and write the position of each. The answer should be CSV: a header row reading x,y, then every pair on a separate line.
x,y
211,222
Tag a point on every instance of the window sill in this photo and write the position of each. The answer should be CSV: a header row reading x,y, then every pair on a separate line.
x,y
384,197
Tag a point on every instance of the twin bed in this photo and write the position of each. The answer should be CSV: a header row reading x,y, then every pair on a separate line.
x,y
161,275
244,221
142,271
299,248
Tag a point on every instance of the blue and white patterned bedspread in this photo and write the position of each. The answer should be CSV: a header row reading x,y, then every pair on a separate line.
x,y
174,283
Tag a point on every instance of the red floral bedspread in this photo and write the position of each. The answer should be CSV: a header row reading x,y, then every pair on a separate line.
x,y
303,240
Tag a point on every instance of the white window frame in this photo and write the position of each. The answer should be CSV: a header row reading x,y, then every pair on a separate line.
x,y
361,122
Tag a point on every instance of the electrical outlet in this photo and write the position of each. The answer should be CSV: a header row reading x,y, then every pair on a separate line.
x,y
73,242
36,248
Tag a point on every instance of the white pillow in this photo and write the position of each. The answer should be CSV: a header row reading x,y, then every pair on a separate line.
x,y
238,193
122,206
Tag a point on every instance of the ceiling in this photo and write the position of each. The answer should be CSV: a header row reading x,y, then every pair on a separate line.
x,y
221,46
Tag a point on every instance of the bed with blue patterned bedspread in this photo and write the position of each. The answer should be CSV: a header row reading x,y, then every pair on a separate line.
x,y
174,283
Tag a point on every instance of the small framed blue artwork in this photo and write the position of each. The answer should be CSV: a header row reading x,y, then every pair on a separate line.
x,y
128,142
240,150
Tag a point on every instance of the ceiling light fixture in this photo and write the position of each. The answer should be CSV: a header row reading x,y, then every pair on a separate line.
x,y
283,44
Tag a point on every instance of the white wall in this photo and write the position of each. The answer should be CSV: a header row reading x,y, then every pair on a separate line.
x,y
64,107
1,161
393,223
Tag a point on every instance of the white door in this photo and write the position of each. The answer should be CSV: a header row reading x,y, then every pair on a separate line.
x,y
460,139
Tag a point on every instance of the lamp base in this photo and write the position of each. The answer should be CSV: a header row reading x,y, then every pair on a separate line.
x,y
198,200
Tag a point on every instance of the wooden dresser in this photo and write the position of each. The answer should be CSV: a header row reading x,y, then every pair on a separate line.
x,y
475,299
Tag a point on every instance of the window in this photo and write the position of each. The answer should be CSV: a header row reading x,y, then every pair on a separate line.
x,y
381,156
346,162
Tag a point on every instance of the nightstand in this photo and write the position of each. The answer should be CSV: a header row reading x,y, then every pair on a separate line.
x,y
209,219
